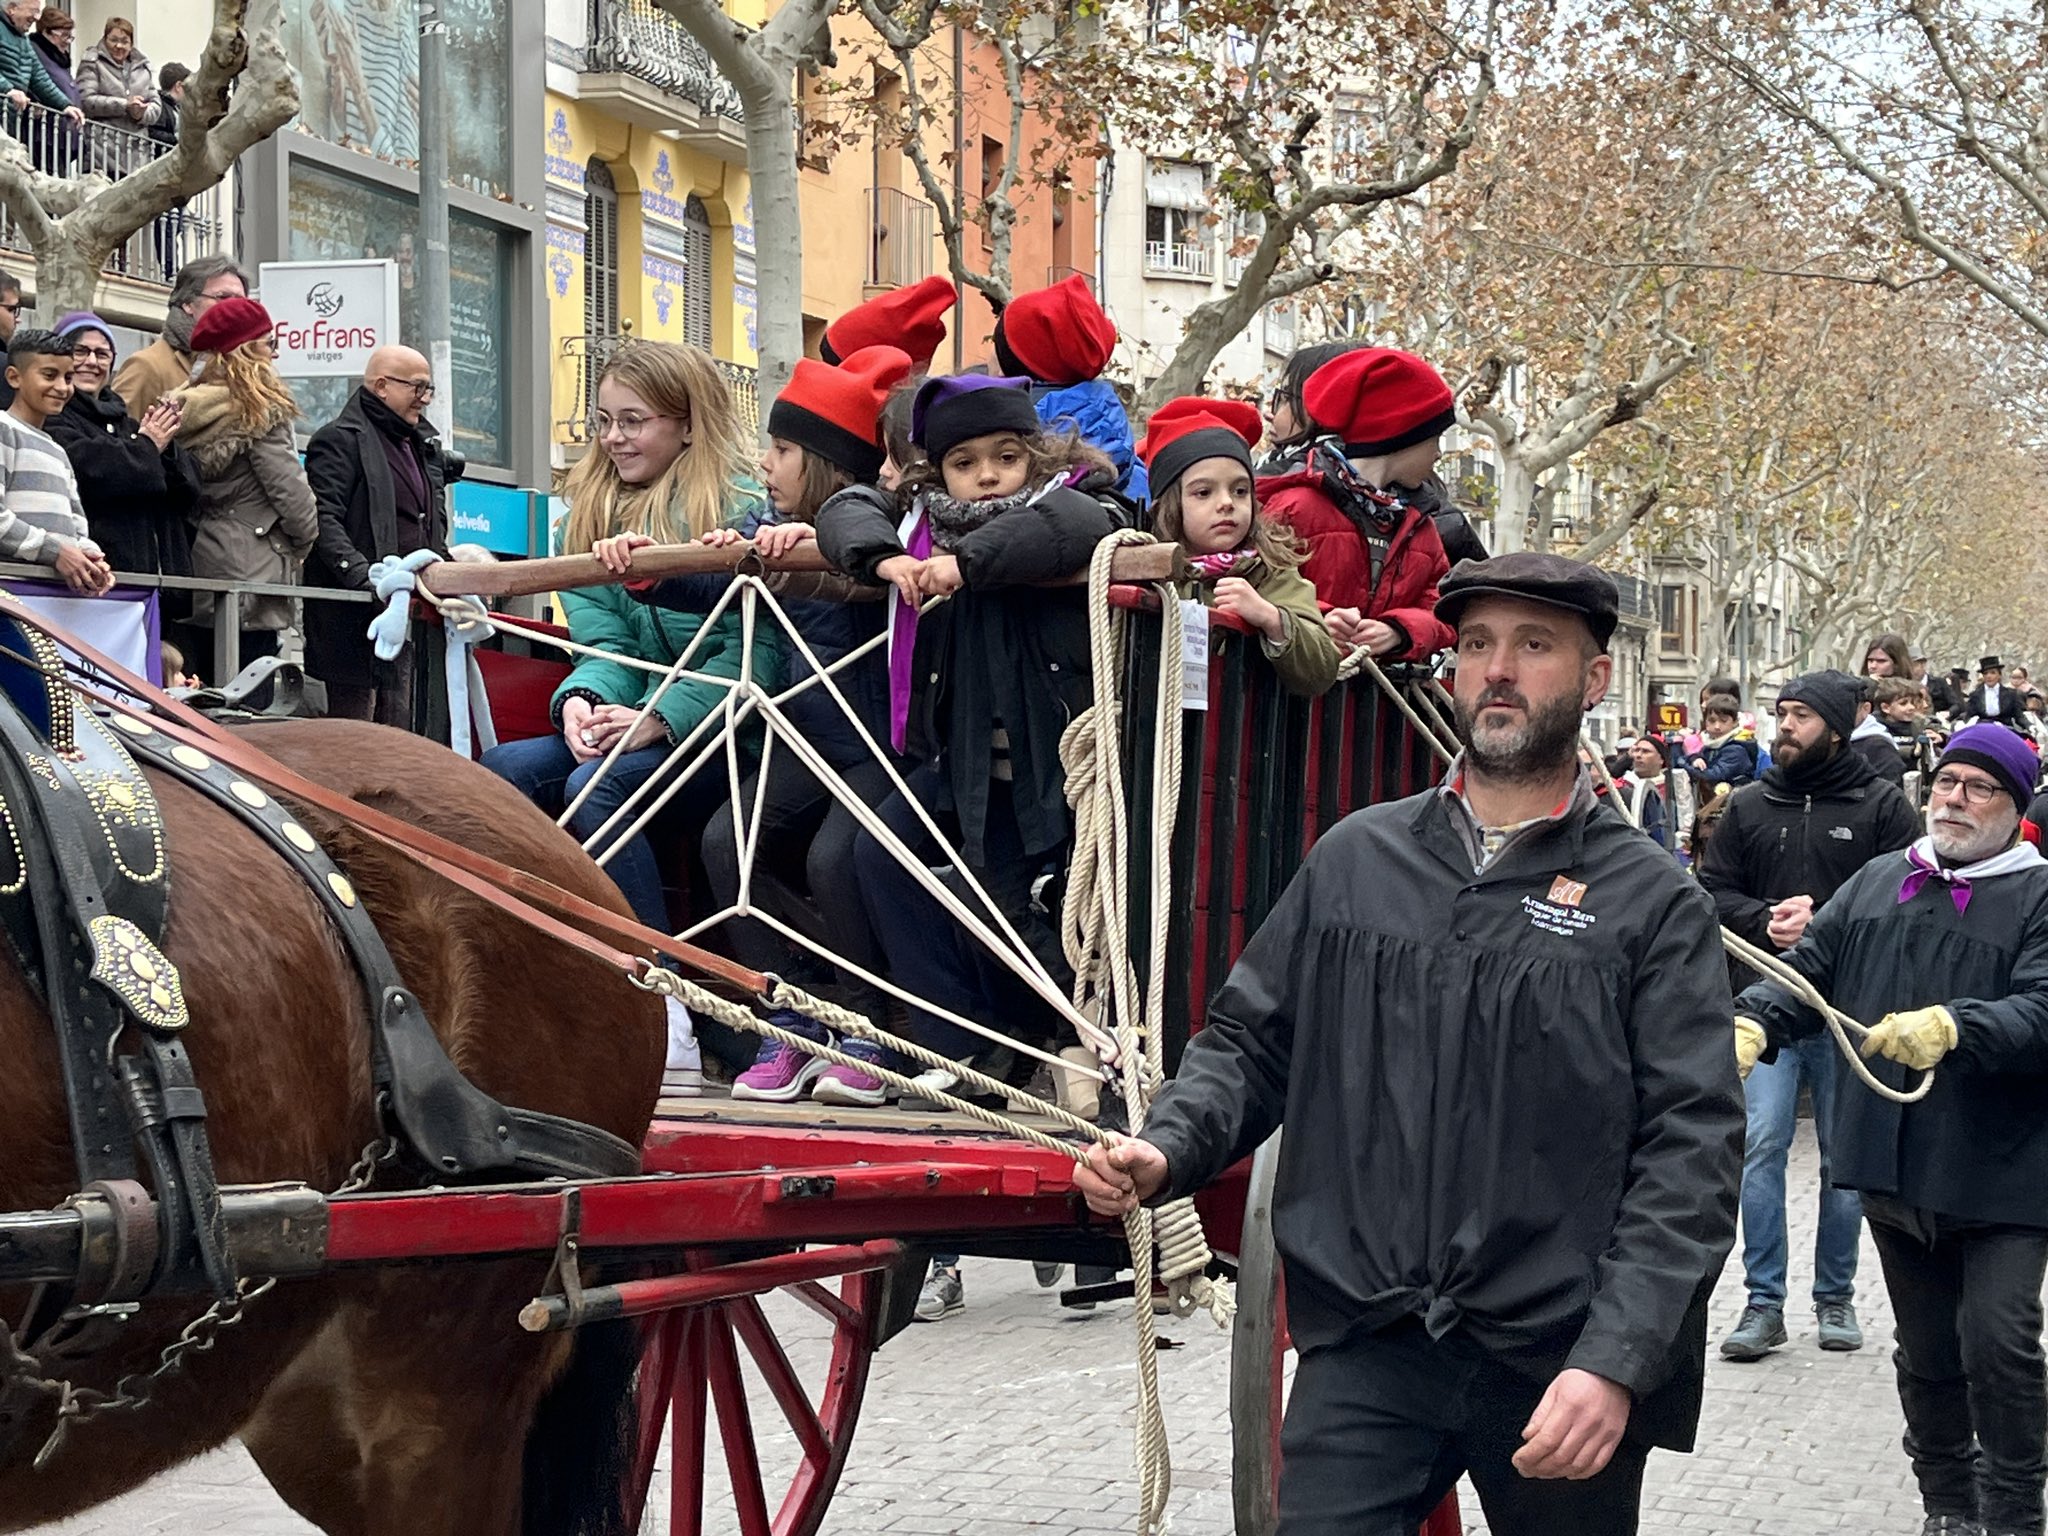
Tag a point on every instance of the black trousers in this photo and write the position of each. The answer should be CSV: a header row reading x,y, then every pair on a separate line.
x,y
1972,1381
933,956
804,875
1380,1427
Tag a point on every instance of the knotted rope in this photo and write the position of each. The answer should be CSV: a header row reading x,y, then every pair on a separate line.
x,y
465,621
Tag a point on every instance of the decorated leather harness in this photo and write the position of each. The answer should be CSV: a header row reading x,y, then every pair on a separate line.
x,y
85,885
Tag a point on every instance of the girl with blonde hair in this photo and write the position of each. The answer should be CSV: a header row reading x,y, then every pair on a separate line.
x,y
256,517
672,465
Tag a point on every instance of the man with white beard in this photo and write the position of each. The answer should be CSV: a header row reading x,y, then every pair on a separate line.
x,y
1946,946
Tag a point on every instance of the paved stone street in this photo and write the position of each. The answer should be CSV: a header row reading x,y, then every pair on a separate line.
x,y
1015,1417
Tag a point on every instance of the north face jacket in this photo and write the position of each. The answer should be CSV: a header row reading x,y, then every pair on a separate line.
x,y
1510,1097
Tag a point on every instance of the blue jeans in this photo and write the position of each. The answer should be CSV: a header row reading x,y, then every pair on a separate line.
x,y
1773,1095
543,769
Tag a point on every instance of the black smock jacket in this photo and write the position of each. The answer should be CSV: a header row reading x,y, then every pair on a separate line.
x,y
1803,835
1976,1147
1004,648
138,498
1510,1098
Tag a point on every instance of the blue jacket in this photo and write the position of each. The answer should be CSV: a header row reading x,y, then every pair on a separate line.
x,y
1733,762
1092,409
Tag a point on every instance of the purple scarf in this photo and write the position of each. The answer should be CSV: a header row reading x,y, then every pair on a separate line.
x,y
2022,855
903,641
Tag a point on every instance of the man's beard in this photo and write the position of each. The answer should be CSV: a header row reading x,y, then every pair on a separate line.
x,y
1801,761
1957,842
1544,744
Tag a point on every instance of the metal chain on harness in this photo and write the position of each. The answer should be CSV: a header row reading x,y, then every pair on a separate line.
x,y
78,1405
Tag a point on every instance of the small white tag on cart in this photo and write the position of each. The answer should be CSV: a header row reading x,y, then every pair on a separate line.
x,y
1194,655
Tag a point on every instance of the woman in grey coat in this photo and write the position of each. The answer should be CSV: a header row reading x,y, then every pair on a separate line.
x,y
256,518
117,87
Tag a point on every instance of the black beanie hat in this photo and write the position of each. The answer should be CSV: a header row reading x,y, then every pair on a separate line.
x,y
1831,694
951,409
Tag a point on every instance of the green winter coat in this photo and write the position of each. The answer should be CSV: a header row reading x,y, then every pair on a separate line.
x,y
611,619
21,69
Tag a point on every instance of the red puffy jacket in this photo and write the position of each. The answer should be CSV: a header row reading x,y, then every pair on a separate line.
x,y
1340,563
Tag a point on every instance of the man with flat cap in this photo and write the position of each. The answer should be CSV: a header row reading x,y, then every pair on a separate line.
x,y
1493,1016
1943,950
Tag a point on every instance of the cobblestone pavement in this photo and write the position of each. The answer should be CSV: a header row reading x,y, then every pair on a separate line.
x,y
1016,1417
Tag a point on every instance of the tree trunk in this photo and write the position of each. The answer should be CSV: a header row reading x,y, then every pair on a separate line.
x,y
1516,502
66,274
778,239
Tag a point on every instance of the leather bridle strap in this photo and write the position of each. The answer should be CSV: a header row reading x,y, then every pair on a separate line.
x,y
510,890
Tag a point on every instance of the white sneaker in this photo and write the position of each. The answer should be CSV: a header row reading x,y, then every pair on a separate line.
x,y
683,1076
931,1080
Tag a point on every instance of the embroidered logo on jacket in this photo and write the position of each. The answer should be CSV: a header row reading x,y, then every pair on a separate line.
x,y
1558,911
1567,892
1844,833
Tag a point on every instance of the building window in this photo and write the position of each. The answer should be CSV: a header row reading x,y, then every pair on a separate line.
x,y
359,72
335,217
696,274
1176,215
1671,621
600,250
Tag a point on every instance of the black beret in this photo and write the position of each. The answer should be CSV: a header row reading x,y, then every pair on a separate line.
x,y
1538,578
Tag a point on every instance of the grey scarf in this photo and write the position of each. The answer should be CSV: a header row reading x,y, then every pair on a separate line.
x,y
952,520
178,330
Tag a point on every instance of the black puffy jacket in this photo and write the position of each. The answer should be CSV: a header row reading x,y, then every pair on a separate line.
x,y
138,498
1510,1101
1800,835
1003,649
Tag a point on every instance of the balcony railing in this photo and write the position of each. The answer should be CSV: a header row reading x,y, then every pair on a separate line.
x,y
588,356
899,238
639,38
1176,260
153,253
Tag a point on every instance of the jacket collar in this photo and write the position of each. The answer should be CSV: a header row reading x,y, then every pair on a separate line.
x,y
380,418
1444,823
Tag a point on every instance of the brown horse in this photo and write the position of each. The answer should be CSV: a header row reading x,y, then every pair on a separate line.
x,y
386,1400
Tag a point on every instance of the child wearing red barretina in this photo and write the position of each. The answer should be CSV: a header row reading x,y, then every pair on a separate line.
x,y
981,687
1199,455
1373,555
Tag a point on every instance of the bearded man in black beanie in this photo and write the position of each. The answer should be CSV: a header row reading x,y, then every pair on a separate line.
x,y
1784,846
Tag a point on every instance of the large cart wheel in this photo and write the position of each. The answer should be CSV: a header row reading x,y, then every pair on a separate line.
x,y
1258,1363
691,1371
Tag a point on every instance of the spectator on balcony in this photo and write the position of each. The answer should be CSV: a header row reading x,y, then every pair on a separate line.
x,y
911,319
139,488
1375,558
257,517
1060,338
25,80
53,36
170,98
166,363
381,479
118,90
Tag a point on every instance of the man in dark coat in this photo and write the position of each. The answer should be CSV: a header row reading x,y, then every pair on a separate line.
x,y
1486,1014
1945,946
1783,848
381,480
1991,699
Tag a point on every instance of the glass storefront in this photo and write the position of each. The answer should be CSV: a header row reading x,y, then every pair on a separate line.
x,y
359,72
336,217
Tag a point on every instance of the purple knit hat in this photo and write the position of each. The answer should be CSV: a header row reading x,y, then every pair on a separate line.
x,y
2001,753
84,320
952,408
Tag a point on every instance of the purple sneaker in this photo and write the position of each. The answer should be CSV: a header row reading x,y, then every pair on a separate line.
x,y
782,1073
850,1086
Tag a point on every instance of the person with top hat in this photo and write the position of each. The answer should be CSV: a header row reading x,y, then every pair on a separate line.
x,y
1785,846
1942,948
1061,339
257,517
1505,1189
911,319
1374,557
823,436
1992,698
1199,452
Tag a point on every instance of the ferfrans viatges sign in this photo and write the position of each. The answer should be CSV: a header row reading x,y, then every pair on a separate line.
x,y
330,315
